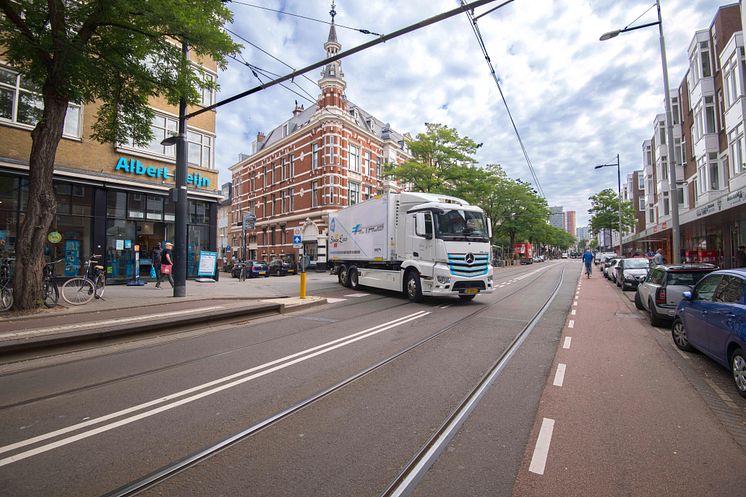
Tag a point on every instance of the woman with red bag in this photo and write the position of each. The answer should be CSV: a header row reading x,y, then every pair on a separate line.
x,y
167,264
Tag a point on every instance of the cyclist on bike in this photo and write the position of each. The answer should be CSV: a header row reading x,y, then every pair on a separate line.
x,y
588,260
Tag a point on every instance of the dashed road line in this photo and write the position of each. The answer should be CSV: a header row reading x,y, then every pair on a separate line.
x,y
559,375
574,311
723,396
541,450
332,300
575,304
571,324
356,295
568,341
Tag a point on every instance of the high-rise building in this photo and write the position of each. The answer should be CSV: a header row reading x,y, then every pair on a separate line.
x,y
570,222
557,217
582,233
325,157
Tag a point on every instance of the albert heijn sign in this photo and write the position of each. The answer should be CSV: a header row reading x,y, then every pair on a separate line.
x,y
134,166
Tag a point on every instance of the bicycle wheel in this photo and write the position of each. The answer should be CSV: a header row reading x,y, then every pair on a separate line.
x,y
100,285
6,299
50,293
78,291
242,274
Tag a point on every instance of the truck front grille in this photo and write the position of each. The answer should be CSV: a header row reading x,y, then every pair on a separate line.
x,y
460,267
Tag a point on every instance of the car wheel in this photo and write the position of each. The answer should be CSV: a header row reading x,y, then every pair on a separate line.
x,y
738,368
413,287
678,333
655,319
638,301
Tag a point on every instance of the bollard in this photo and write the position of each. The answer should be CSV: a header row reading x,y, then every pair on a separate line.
x,y
303,285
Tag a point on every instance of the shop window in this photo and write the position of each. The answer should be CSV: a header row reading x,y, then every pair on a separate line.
x,y
154,208
116,204
120,255
169,209
62,192
198,239
198,212
75,246
136,206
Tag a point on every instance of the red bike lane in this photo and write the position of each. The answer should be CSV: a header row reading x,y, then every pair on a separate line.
x,y
617,416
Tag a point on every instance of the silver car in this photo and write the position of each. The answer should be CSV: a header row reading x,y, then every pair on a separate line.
x,y
662,290
630,271
609,266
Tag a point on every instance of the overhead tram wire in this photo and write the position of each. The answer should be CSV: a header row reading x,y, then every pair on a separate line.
x,y
256,71
346,53
480,40
269,55
360,30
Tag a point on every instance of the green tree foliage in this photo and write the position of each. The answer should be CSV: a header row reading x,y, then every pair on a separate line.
x,y
604,212
117,52
442,162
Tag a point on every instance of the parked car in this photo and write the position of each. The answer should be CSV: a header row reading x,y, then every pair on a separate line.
x,y
278,268
712,319
603,257
608,267
257,269
630,271
539,258
236,269
663,289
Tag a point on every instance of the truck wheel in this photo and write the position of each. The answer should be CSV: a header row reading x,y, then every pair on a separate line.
x,y
354,275
343,276
413,287
466,298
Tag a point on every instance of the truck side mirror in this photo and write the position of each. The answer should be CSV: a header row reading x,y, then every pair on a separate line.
x,y
422,227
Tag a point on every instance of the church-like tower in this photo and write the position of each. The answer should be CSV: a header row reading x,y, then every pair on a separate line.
x,y
332,80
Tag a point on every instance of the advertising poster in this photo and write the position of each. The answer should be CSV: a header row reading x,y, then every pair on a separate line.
x,y
72,257
207,263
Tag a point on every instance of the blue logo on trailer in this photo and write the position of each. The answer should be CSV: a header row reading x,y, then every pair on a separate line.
x,y
356,229
333,225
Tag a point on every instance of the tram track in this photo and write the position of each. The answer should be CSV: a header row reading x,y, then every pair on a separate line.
x,y
152,479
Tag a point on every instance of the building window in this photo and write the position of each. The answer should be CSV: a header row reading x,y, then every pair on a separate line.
x,y
366,164
641,182
680,190
264,177
651,214
675,110
282,201
272,211
714,166
161,127
353,196
702,175
737,155
282,234
283,176
200,149
710,124
354,158
274,167
664,169
291,205
292,166
662,133
207,96
677,151
21,102
379,166
642,205
704,51
314,193
730,81
666,204
314,156
272,235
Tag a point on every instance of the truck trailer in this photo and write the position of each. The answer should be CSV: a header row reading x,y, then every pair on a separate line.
x,y
421,244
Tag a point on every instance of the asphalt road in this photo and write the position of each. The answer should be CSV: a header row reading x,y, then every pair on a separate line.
x,y
89,423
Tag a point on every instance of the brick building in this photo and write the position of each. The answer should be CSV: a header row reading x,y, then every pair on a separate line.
x,y
323,158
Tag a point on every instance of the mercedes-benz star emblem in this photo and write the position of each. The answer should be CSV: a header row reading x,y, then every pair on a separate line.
x,y
469,258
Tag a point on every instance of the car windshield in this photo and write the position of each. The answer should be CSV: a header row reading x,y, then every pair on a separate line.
x,y
460,225
636,264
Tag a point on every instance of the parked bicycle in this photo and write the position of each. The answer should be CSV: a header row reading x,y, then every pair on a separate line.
x,y
50,292
82,289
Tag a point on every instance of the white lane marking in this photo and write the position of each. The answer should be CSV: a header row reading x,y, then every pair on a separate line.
x,y
575,304
682,354
355,295
568,341
574,311
445,306
297,357
332,300
500,286
571,324
541,450
107,322
559,375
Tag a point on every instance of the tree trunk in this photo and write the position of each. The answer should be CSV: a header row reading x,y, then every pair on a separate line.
x,y
41,209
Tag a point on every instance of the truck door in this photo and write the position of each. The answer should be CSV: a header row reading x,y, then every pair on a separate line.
x,y
423,242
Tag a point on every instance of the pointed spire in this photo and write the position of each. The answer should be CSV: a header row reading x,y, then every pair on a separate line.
x,y
332,29
332,78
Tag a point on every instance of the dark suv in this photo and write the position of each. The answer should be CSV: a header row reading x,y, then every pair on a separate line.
x,y
662,290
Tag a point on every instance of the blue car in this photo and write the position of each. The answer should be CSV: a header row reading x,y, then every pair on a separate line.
x,y
712,319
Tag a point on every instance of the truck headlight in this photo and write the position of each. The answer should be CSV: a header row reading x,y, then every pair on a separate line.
x,y
443,279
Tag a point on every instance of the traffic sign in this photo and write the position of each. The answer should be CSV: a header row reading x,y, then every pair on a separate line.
x,y
297,241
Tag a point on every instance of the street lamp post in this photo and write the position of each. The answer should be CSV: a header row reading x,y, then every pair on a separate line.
x,y
673,187
619,192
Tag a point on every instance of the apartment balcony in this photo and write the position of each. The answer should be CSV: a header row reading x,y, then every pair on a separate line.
x,y
705,86
734,115
710,196
737,182
664,185
709,142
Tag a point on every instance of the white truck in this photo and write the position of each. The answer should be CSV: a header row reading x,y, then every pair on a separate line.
x,y
421,244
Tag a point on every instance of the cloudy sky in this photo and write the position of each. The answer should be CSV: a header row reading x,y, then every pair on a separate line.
x,y
577,102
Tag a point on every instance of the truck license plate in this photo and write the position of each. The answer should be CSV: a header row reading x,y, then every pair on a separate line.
x,y
471,291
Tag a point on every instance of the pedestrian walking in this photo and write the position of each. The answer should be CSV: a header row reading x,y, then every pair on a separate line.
x,y
742,256
156,256
658,257
166,265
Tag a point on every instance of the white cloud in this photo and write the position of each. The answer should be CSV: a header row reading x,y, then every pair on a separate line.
x,y
576,101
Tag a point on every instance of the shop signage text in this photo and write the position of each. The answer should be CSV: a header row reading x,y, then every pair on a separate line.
x,y
134,166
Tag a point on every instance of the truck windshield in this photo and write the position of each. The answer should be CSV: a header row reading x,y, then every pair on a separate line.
x,y
460,225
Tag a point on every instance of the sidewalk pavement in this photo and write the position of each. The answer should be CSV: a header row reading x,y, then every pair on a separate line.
x,y
137,309
621,413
